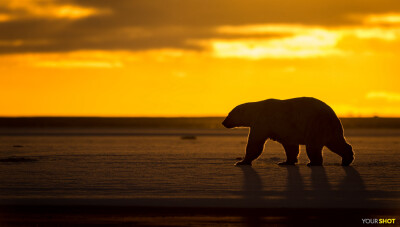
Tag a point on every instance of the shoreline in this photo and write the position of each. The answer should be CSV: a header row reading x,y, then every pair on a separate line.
x,y
165,122
125,132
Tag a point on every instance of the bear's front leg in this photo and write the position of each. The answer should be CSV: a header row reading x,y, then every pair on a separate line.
x,y
292,152
254,148
314,153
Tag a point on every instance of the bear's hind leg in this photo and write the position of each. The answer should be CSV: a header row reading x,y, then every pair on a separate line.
x,y
343,149
292,152
314,153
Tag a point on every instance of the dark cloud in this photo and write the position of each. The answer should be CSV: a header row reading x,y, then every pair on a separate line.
x,y
60,35
151,24
238,12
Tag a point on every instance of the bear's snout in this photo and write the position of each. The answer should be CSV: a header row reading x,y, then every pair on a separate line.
x,y
225,124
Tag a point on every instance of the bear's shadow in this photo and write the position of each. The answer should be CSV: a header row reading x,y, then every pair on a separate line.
x,y
350,192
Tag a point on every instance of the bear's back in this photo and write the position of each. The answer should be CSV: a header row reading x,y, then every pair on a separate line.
x,y
310,106
303,106
300,119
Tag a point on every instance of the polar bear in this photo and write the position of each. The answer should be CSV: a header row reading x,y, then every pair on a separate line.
x,y
291,122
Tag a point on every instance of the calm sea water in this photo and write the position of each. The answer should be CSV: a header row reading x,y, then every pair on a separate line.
x,y
162,166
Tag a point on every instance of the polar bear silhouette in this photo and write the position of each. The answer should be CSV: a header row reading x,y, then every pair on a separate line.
x,y
291,122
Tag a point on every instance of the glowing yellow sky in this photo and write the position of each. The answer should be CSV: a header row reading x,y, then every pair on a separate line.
x,y
186,69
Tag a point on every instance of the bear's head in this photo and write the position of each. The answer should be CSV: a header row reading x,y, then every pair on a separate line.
x,y
240,116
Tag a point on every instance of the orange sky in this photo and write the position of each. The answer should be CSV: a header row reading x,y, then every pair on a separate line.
x,y
196,58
